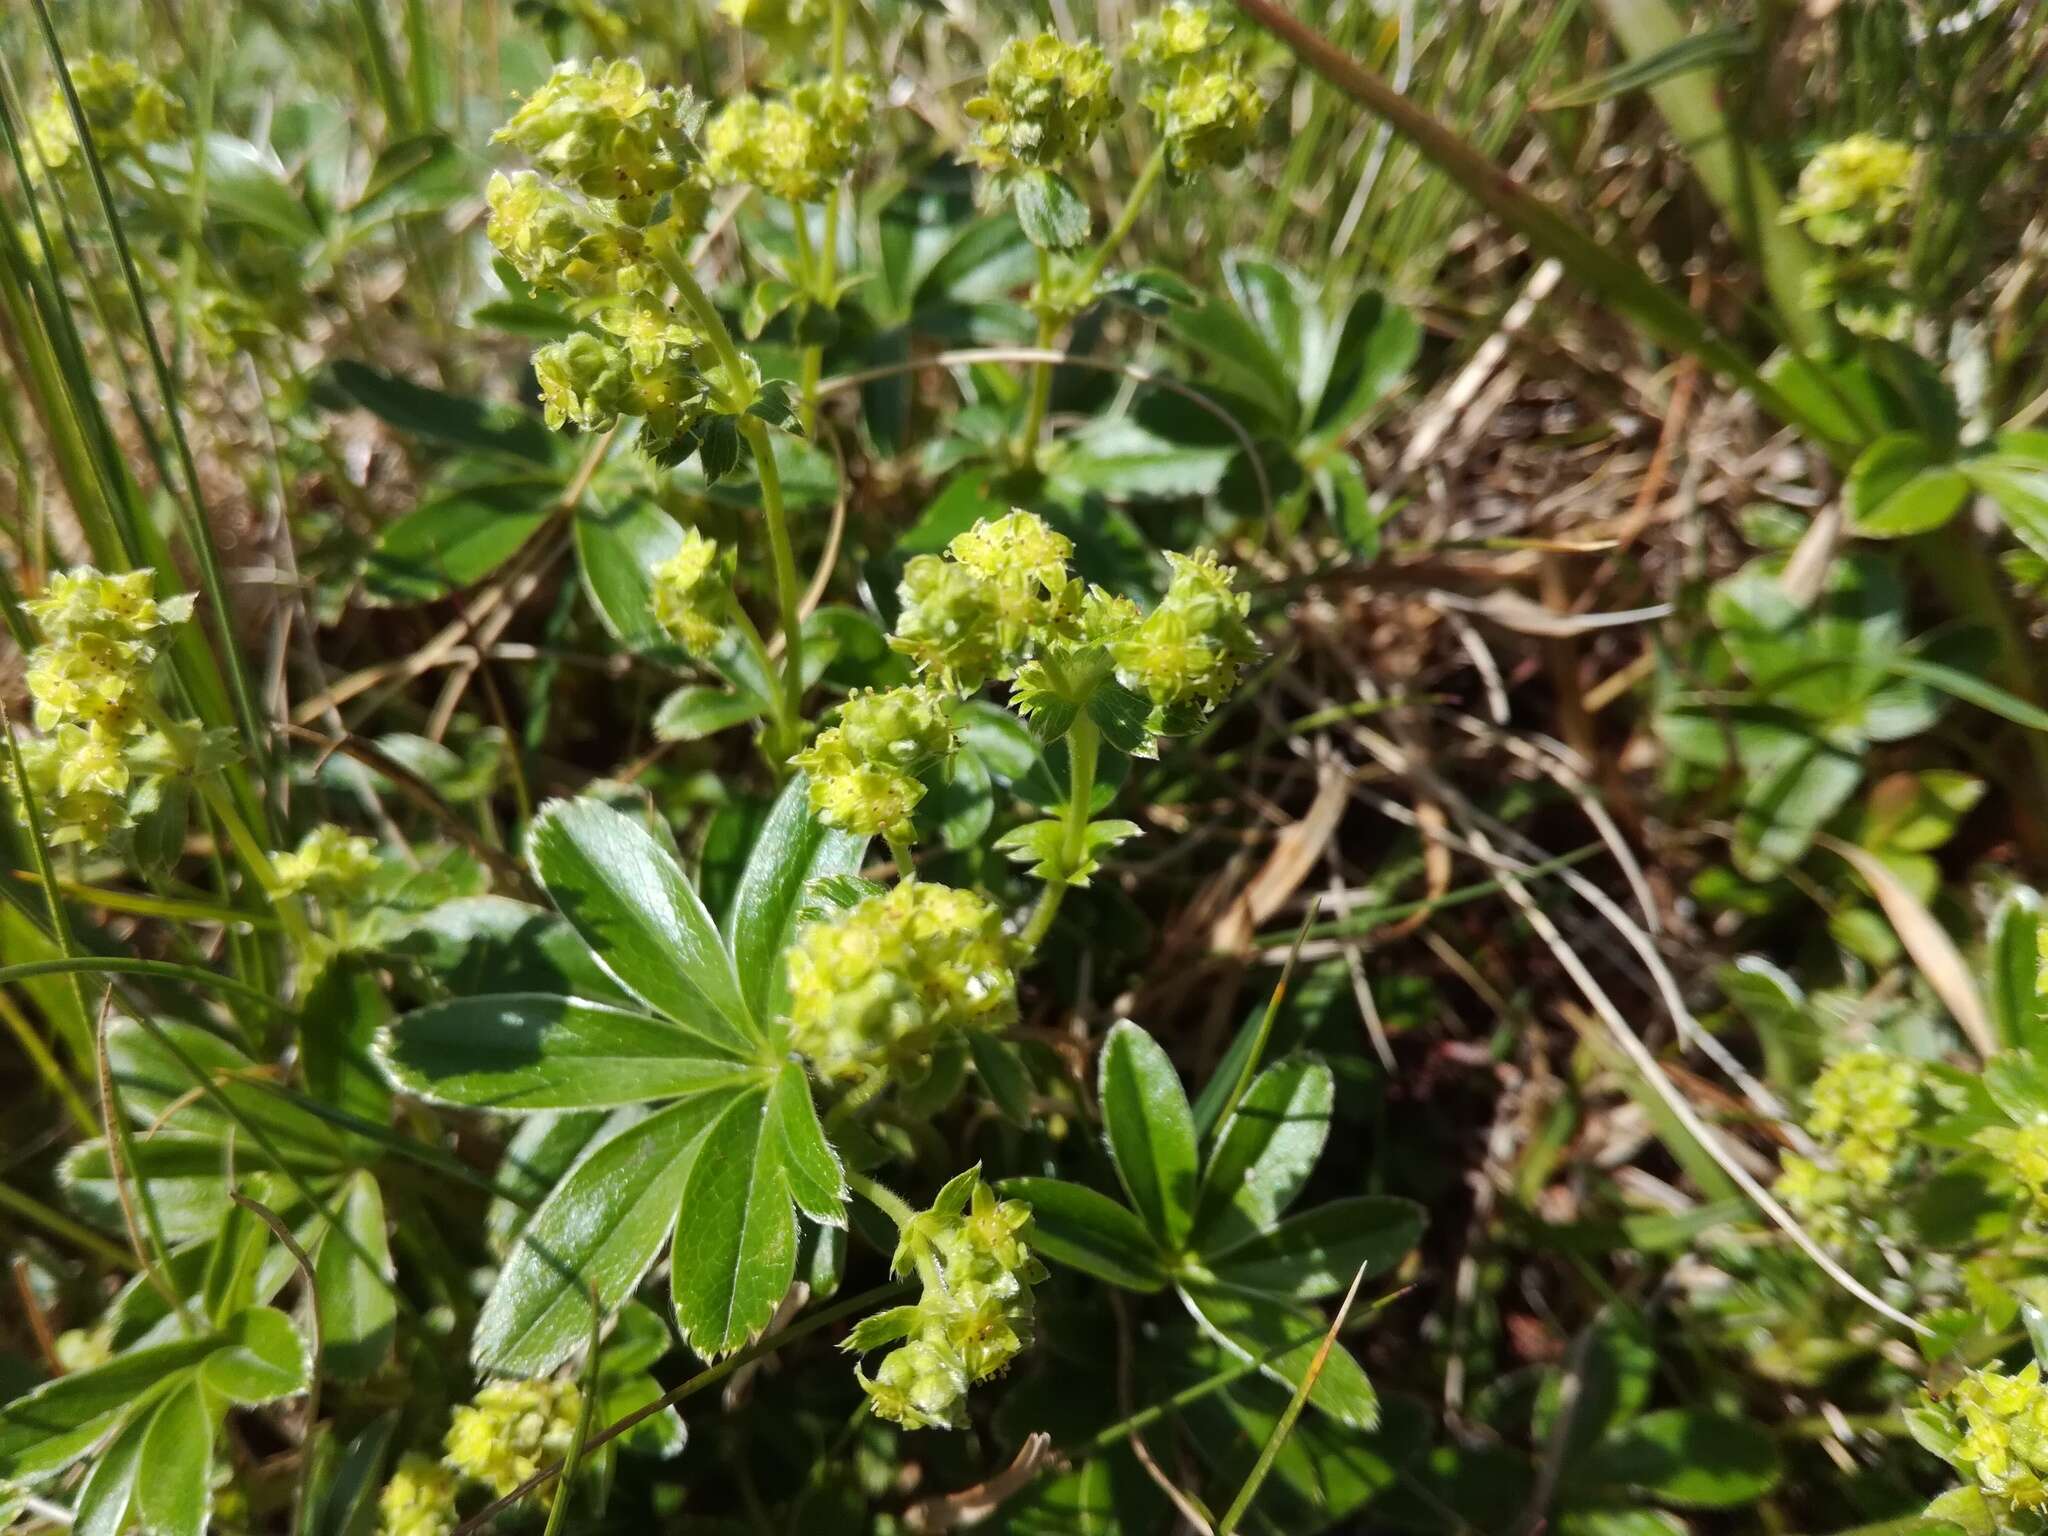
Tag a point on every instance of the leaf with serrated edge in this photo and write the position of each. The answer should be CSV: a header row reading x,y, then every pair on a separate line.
x,y
792,849
816,1181
1265,1151
1150,1130
735,1245
1285,1340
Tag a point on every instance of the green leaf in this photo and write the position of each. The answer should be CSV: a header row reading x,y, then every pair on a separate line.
x,y
1900,486
2018,1084
358,1312
1970,688
455,420
1003,741
337,1037
187,1179
173,1491
735,1246
246,184
48,1429
348,1504
536,1051
1003,1075
1376,347
1688,1458
1348,504
2013,961
1265,1151
1317,1252
617,549
792,850
1786,804
817,1182
455,542
1150,1130
158,1090
106,1501
2015,475
640,916
695,711
260,1358
1700,51
1051,213
1286,1339
1073,1225
598,1232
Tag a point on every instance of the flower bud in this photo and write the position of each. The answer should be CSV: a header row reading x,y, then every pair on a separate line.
x,y
1186,654
948,623
584,379
880,984
1046,101
905,727
793,147
1208,116
535,226
419,1500
601,129
1853,187
511,1430
125,109
862,770
1161,42
692,592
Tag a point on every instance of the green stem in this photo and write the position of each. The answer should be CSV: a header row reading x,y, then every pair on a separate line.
x,y
899,851
788,597
1049,321
59,1225
256,859
1083,742
882,1198
675,262
1141,189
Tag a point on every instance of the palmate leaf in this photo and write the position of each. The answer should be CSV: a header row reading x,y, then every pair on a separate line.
x,y
1150,1130
792,850
535,1051
735,1249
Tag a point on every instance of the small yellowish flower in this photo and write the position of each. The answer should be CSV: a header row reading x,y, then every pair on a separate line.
x,y
1822,1198
793,147
692,589
1159,43
1865,291
331,863
80,1349
2023,1151
601,129
862,771
655,341
2003,1425
1185,656
511,1430
125,109
974,1317
1861,1107
1209,116
79,779
585,380
1852,188
1046,101
419,1500
948,624
1002,595
880,984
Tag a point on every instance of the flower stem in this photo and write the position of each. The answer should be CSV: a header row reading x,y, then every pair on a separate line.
x,y
1141,190
675,262
256,859
788,596
882,1198
899,852
1049,321
1083,740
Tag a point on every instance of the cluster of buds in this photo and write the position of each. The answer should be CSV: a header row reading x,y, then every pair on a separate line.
x,y
973,1255
1003,603
418,1500
1861,1109
1045,102
98,761
692,592
880,986
125,110
794,146
511,1430
1198,87
1852,198
2001,1427
2023,1152
620,189
329,863
864,771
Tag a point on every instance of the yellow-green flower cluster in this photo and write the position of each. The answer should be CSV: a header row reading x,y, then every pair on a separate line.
x,y
125,109
999,595
1851,198
331,863
1186,654
1046,100
1198,87
600,129
2023,1152
1853,188
692,592
972,1252
880,985
511,1430
793,146
623,186
89,682
1861,1107
863,771
2003,1425
419,1500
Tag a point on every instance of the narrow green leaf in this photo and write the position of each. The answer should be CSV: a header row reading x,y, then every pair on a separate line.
x,y
1968,687
456,420
1265,1151
1073,1225
1285,1340
695,711
640,915
817,1182
1150,1130
106,1501
1899,486
534,1051
447,545
48,1429
2013,961
1690,1458
173,1490
1316,1253
598,1231
792,849
735,1245
358,1313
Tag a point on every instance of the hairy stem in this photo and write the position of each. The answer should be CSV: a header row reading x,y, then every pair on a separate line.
x,y
882,1198
788,595
1083,742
